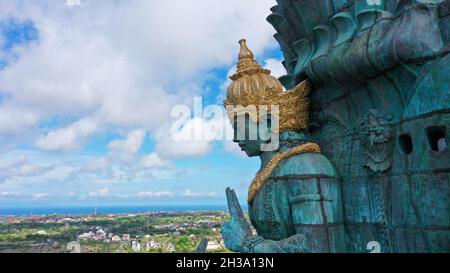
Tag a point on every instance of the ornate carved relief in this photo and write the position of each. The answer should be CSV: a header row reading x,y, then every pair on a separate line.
x,y
376,136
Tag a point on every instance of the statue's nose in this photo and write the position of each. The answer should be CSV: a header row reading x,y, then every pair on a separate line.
x,y
237,138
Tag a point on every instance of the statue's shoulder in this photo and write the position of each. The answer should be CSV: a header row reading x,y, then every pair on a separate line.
x,y
306,164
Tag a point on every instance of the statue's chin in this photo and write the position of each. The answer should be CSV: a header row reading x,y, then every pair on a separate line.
x,y
251,153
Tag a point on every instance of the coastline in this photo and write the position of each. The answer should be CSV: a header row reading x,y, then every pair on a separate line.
x,y
83,210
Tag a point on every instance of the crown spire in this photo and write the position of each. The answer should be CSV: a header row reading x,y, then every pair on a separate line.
x,y
247,65
253,85
245,53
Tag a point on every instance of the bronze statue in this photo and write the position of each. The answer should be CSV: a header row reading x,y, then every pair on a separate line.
x,y
293,202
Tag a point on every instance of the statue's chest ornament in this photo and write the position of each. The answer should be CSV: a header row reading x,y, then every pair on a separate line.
x,y
262,176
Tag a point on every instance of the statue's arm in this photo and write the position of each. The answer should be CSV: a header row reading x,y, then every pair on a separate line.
x,y
317,217
238,237
312,215
315,214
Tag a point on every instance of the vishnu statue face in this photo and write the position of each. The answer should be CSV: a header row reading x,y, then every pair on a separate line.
x,y
254,138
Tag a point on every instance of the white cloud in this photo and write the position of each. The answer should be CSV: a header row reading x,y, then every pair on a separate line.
x,y
26,172
233,148
194,138
21,167
39,195
9,194
105,193
68,138
128,148
182,143
226,83
30,170
16,162
275,66
96,165
190,193
16,120
73,3
155,194
115,65
208,31
153,160
127,63
122,196
124,160
100,193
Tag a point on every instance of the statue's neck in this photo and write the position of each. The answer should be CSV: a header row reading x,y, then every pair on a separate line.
x,y
286,136
265,158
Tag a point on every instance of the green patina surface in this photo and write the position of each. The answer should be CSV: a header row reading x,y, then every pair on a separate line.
x,y
380,112
301,197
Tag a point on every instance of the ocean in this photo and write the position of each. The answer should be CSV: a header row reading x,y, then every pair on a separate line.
x,y
22,211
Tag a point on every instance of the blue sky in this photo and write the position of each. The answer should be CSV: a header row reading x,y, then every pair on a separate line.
x,y
86,94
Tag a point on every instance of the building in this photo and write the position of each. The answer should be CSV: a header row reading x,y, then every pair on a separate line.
x,y
73,247
126,237
171,248
153,245
136,246
100,235
86,236
213,246
115,238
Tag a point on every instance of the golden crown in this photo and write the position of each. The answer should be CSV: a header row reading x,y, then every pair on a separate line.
x,y
254,86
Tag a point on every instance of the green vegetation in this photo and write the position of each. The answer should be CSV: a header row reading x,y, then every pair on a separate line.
x,y
153,232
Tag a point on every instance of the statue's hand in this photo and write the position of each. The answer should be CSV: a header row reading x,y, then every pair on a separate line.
x,y
235,231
